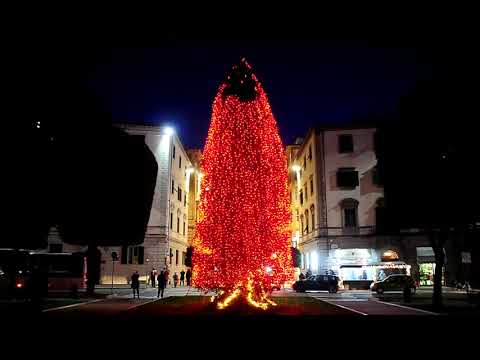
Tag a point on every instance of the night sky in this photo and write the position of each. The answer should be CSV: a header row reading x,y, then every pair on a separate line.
x,y
309,79
308,82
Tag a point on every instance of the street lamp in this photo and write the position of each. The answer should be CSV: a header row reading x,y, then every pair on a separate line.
x,y
147,260
167,130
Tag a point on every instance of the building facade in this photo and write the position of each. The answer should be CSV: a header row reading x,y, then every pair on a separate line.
x,y
195,180
166,238
338,205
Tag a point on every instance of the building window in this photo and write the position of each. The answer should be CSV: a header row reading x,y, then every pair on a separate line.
x,y
173,153
306,192
185,199
345,143
301,197
311,186
184,255
350,218
173,186
180,161
347,178
132,255
307,220
312,213
179,194
171,256
304,162
178,225
55,248
376,178
176,257
349,213
310,153
301,224
184,228
171,221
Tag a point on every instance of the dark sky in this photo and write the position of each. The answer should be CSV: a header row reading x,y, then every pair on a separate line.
x,y
307,82
308,79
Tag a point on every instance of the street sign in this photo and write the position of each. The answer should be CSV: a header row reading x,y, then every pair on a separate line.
x,y
466,258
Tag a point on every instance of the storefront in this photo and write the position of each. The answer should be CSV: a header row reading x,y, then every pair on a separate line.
x,y
426,266
354,267
358,268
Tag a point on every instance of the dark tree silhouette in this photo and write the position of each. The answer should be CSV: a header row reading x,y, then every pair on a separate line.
x,y
426,158
75,170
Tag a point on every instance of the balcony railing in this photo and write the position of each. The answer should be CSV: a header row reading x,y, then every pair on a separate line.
x,y
340,231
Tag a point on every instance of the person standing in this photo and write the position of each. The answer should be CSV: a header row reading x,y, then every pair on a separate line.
x,y
182,277
175,279
153,276
189,276
161,283
166,273
136,284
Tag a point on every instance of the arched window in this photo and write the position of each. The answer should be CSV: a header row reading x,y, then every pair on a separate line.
x,y
312,212
349,209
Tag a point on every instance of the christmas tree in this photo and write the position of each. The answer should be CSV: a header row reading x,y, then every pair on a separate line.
x,y
241,246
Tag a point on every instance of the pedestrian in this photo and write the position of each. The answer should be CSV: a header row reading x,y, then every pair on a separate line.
x,y
182,277
136,284
153,276
161,283
166,273
175,279
407,293
188,275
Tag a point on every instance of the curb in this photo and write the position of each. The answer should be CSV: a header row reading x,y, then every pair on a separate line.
x,y
72,305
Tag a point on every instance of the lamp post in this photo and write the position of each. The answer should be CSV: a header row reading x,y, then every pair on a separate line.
x,y
147,260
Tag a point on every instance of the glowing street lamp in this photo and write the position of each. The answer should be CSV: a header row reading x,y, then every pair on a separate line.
x,y
168,131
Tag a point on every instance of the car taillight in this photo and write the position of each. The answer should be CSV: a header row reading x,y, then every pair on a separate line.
x,y
19,285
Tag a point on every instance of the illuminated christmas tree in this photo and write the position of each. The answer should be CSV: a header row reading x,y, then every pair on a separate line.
x,y
242,243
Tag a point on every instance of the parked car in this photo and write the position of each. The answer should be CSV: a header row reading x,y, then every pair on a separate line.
x,y
317,282
395,282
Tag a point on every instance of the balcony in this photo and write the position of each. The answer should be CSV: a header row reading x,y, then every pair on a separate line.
x,y
337,231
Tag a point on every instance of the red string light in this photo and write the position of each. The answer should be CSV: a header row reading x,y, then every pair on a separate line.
x,y
242,239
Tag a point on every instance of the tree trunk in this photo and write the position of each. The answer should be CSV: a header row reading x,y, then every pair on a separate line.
x,y
438,242
92,269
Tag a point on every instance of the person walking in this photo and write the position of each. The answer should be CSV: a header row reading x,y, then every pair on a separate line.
x,y
153,276
175,279
188,275
161,283
166,273
182,278
136,284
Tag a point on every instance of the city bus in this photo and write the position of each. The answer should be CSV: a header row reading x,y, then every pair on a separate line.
x,y
65,271
19,269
